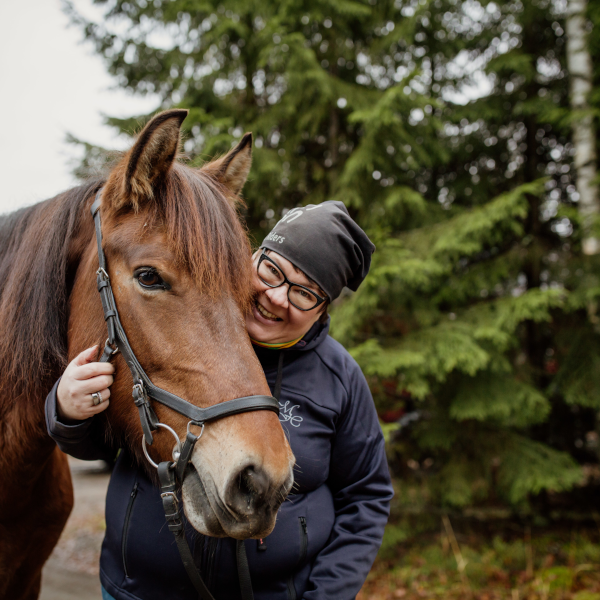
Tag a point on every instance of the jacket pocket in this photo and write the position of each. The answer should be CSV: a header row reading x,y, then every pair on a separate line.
x,y
126,527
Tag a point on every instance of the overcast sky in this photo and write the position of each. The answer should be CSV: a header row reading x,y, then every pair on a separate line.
x,y
51,84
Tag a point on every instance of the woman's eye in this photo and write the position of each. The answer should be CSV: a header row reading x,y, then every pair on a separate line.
x,y
151,279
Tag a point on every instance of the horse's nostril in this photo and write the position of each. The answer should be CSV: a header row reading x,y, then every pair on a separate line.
x,y
255,481
250,486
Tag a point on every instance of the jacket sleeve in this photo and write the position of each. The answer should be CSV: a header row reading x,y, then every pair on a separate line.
x,y
361,486
81,439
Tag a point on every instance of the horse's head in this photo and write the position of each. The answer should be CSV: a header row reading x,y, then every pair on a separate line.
x,y
179,262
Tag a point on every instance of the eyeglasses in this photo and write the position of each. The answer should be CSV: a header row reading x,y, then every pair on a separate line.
x,y
270,274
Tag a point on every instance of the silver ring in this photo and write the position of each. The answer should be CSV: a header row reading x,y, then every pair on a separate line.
x,y
176,449
96,398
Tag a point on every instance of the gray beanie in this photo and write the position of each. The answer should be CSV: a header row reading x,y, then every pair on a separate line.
x,y
324,242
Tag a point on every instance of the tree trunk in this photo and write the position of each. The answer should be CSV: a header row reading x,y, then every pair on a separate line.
x,y
579,65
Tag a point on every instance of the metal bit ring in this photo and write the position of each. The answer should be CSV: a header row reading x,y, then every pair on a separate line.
x,y
176,449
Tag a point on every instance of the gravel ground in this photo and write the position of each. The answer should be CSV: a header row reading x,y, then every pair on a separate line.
x,y
71,572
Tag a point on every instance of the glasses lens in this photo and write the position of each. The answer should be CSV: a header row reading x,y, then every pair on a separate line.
x,y
302,298
269,273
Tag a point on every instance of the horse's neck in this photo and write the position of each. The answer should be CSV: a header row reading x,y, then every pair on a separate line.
x,y
26,445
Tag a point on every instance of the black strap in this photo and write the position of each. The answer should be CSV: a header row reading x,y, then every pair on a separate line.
x,y
186,454
166,476
277,389
243,571
168,494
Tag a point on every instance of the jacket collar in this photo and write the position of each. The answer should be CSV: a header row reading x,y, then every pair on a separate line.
x,y
314,337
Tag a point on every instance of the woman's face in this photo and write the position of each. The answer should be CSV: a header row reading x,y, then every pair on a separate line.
x,y
273,319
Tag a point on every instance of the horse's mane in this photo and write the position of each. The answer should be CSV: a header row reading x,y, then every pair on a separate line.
x,y
37,268
34,283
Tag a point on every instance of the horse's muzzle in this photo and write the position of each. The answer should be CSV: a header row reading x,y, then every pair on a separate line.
x,y
246,507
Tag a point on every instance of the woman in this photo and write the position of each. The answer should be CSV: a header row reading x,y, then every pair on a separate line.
x,y
328,532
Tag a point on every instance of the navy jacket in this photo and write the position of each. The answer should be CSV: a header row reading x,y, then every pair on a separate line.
x,y
328,531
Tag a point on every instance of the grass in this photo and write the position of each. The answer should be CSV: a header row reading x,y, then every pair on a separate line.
x,y
514,563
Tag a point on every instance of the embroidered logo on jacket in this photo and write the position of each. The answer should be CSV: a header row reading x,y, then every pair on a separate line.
x,y
286,414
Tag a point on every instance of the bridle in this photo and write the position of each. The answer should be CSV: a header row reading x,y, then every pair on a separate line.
x,y
169,472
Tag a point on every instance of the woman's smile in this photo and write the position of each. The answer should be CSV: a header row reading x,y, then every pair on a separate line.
x,y
265,313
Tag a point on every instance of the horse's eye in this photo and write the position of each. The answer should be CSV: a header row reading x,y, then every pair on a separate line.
x,y
150,279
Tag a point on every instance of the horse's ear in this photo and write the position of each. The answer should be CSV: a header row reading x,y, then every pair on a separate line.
x,y
150,158
233,168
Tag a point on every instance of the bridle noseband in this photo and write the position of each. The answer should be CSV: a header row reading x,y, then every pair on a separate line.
x,y
143,391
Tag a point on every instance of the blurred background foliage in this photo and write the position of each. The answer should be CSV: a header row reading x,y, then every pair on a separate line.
x,y
445,127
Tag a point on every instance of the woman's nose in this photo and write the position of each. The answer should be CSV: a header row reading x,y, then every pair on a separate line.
x,y
278,295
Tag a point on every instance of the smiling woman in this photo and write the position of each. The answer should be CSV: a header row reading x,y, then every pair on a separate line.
x,y
340,500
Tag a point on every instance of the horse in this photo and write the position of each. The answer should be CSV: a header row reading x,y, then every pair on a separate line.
x,y
162,222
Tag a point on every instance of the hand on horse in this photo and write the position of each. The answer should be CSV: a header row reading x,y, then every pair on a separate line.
x,y
82,378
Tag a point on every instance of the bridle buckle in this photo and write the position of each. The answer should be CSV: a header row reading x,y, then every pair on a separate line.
x,y
139,394
172,495
198,424
170,505
102,271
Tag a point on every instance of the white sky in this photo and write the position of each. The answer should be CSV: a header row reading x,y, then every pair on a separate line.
x,y
50,84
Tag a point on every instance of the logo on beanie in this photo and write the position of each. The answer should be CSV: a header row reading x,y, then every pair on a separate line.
x,y
294,213
273,237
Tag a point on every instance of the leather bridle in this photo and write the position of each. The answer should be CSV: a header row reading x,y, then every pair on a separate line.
x,y
143,391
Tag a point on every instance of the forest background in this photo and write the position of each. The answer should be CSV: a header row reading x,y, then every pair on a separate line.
x,y
461,135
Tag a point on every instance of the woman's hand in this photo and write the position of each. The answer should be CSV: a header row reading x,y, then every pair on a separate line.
x,y
81,379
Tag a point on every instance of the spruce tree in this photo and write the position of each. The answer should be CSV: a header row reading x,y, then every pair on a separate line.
x,y
479,316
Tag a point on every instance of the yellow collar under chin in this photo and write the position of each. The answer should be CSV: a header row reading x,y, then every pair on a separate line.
x,y
280,346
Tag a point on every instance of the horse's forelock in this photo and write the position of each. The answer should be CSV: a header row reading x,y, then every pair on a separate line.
x,y
203,230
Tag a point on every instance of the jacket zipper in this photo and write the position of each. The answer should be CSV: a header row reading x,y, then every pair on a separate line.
x,y
126,527
303,539
303,549
291,588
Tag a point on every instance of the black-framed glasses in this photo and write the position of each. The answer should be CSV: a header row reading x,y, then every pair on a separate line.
x,y
270,273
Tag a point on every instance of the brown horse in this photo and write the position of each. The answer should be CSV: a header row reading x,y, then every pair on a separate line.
x,y
162,222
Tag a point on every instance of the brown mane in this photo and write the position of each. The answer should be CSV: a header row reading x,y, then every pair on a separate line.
x,y
37,267
35,277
